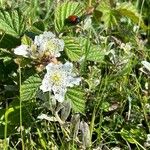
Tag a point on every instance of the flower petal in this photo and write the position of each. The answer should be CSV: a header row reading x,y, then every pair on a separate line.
x,y
22,50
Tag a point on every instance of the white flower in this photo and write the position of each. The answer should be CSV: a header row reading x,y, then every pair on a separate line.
x,y
58,78
22,50
47,42
39,40
126,47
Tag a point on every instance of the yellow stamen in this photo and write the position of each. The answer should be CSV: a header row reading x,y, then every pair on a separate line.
x,y
56,78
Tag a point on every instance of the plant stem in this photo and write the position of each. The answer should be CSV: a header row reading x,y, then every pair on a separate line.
x,y
145,114
90,3
5,133
139,23
8,111
20,108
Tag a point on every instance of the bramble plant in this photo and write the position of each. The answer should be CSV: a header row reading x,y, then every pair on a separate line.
x,y
75,75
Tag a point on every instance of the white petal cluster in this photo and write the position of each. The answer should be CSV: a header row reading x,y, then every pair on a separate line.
x,y
58,78
44,43
22,50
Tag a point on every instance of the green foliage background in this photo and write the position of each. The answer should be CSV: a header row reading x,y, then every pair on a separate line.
x,y
114,96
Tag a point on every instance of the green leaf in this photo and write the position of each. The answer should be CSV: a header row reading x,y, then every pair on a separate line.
x,y
73,48
132,135
41,139
26,40
95,54
12,22
12,115
109,16
8,41
97,15
128,10
63,11
65,112
38,27
13,112
92,52
29,88
77,99
5,55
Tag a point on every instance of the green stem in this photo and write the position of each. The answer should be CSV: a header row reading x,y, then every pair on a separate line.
x,y
2,3
145,114
5,134
90,3
136,142
140,16
83,63
20,108
8,111
92,123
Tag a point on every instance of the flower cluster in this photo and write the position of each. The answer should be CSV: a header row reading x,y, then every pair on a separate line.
x,y
59,76
44,44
